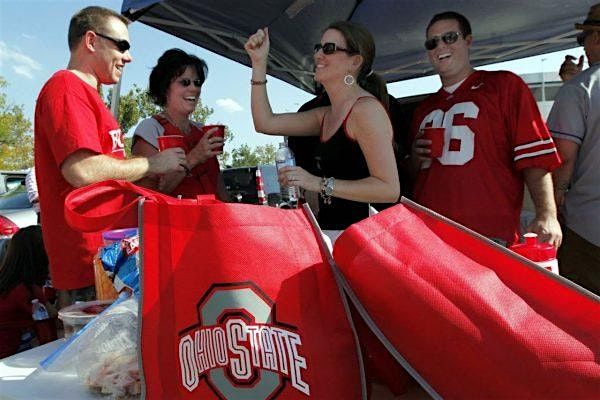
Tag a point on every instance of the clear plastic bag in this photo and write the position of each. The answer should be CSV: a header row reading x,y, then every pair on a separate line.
x,y
104,354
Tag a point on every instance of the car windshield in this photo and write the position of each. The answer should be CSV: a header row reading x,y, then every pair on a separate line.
x,y
15,199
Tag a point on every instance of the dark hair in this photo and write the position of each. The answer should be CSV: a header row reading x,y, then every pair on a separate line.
x,y
25,260
90,19
171,65
463,23
360,41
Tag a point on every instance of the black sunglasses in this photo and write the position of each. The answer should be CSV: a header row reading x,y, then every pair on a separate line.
x,y
448,38
329,48
122,45
187,82
582,35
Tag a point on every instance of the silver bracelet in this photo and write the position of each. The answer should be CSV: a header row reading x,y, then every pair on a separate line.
x,y
327,186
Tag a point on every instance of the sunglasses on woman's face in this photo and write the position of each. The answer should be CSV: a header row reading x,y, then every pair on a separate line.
x,y
329,48
187,82
448,38
122,45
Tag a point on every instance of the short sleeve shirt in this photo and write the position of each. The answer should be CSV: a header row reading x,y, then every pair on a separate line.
x,y
69,116
575,116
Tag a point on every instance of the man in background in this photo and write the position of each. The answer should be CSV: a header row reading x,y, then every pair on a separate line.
x,y
574,122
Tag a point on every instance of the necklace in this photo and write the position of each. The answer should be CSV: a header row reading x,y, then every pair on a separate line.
x,y
186,129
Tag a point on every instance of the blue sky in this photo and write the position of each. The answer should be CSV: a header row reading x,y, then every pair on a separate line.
x,y
33,46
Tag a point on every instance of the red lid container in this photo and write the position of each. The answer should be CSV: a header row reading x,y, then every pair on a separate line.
x,y
534,250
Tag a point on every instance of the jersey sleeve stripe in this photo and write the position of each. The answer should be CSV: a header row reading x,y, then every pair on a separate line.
x,y
535,154
533,144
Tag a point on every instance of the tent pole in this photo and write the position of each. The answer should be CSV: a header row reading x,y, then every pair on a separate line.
x,y
114,99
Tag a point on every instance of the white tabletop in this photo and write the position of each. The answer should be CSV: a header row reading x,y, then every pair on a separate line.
x,y
21,378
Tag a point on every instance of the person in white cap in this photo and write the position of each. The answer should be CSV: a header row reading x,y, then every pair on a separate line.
x,y
574,123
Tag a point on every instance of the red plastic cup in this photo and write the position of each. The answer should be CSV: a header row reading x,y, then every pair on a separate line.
x,y
436,135
170,141
220,132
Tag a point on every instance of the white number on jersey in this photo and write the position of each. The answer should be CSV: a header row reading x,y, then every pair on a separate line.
x,y
462,133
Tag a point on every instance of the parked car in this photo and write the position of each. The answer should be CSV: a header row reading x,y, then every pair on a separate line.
x,y
15,210
241,184
11,179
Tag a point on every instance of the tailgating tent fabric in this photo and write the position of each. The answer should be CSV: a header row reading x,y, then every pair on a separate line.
x,y
503,30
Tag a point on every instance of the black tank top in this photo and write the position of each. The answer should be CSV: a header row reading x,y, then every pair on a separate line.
x,y
341,157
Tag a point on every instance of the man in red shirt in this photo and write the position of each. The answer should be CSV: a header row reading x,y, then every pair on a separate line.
x,y
79,142
495,140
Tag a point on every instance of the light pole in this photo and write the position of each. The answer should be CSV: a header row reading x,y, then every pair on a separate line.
x,y
543,82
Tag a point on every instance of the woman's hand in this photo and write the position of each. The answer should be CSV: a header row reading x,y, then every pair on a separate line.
x,y
208,146
297,176
258,45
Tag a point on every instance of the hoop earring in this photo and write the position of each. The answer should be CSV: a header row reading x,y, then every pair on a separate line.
x,y
349,80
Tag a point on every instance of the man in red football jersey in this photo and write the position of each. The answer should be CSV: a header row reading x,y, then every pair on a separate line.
x,y
495,140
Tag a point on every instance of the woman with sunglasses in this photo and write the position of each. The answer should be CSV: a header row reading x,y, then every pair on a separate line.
x,y
175,85
355,158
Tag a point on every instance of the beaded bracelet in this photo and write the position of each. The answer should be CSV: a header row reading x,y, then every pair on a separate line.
x,y
327,185
253,82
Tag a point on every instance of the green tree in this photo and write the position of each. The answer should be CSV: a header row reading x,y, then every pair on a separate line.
x,y
16,141
245,156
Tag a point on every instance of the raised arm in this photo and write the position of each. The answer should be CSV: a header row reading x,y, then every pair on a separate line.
x,y
265,121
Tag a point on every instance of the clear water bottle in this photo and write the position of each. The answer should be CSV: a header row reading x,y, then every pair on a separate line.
x,y
38,311
45,327
285,158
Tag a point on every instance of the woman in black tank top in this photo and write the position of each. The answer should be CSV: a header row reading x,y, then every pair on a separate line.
x,y
354,161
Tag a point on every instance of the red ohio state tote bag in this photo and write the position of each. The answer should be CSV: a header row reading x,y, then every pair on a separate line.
x,y
467,318
239,302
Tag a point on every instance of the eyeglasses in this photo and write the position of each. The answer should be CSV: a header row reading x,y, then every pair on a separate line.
x,y
329,48
448,38
122,45
582,35
187,82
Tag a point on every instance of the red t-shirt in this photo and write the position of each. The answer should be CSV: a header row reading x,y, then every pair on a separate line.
x,y
15,309
69,116
493,130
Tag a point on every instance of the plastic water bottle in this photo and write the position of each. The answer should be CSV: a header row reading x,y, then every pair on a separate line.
x,y
543,254
45,328
285,158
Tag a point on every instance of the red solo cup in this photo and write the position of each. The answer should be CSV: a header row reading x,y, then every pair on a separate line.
x,y
170,141
220,132
436,135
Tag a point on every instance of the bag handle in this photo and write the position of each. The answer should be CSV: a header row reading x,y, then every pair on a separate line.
x,y
103,205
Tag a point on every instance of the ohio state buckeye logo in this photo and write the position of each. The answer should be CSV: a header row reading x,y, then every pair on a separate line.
x,y
239,348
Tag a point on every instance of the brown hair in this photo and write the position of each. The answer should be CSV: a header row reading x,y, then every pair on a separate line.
x,y
90,19
360,41
25,260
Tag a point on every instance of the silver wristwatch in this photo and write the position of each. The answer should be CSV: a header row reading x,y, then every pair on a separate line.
x,y
328,186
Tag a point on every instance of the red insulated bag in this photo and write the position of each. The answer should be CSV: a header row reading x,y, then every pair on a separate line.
x,y
238,302
467,318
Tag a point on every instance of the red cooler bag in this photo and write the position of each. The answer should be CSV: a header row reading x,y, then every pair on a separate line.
x,y
238,301
468,318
